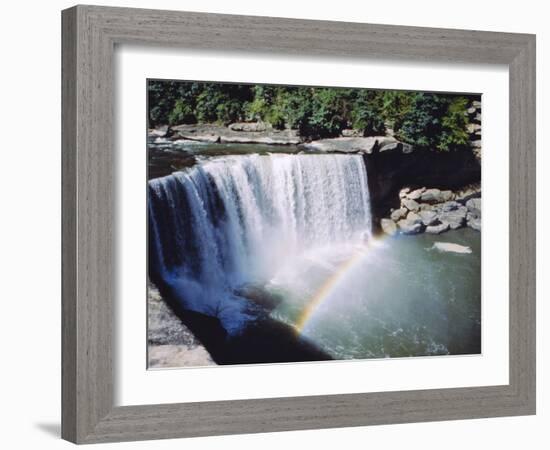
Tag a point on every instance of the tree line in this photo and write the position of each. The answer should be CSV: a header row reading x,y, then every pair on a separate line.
x,y
428,120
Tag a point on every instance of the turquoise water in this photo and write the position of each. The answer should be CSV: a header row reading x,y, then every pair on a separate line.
x,y
402,298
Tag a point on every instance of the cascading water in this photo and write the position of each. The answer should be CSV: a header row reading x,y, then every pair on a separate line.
x,y
235,220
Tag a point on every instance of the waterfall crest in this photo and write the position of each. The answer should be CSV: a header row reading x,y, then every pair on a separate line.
x,y
234,220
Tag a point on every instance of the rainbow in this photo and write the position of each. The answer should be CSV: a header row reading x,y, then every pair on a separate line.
x,y
323,293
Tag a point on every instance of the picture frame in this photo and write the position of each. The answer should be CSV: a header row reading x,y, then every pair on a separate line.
x,y
90,34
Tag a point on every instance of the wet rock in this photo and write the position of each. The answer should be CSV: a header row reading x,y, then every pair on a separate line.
x,y
428,217
398,214
388,226
448,206
170,342
407,226
426,207
411,205
259,295
450,247
437,229
414,218
474,223
474,207
456,219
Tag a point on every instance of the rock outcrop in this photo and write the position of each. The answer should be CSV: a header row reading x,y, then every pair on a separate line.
x,y
354,145
434,211
238,133
391,171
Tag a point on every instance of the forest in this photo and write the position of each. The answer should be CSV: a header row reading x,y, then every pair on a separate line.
x,y
434,121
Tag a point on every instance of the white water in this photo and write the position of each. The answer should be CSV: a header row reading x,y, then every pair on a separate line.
x,y
235,220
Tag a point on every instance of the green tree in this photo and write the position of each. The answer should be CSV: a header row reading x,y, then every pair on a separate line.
x,y
367,113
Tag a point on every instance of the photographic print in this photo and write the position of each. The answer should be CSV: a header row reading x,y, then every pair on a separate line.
x,y
302,223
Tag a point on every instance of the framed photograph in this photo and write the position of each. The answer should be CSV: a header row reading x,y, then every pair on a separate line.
x,y
267,229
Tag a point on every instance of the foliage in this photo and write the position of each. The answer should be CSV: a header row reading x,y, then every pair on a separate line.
x,y
454,122
434,121
367,113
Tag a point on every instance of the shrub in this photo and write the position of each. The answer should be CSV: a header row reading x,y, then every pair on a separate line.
x,y
454,134
435,121
181,113
367,113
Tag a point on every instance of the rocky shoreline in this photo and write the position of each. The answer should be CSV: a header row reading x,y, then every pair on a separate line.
x,y
170,342
434,211
236,133
350,140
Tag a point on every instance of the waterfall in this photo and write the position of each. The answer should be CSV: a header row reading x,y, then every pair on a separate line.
x,y
234,220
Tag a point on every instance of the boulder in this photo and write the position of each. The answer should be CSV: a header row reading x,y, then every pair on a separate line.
x,y
428,217
449,206
398,214
407,226
474,207
391,146
162,131
403,192
388,226
416,194
474,222
455,219
450,247
413,217
431,196
434,196
350,144
411,205
248,126
426,207
447,195
437,229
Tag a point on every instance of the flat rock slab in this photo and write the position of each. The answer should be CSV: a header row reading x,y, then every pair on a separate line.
x,y
350,144
452,248
237,135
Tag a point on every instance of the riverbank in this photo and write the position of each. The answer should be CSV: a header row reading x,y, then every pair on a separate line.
x,y
434,211
170,342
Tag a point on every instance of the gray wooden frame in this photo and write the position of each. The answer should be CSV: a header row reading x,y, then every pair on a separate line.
x,y
89,36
